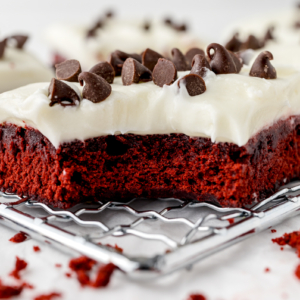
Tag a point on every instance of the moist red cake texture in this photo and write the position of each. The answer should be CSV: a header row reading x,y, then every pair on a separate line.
x,y
150,166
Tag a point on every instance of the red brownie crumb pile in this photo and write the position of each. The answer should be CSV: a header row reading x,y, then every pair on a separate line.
x,y
19,266
7,291
196,297
36,249
48,296
82,267
19,237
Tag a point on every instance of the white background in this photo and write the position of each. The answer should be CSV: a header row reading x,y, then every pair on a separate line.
x,y
236,273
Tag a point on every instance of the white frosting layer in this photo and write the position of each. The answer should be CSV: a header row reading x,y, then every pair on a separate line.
x,y
233,108
286,46
129,36
18,68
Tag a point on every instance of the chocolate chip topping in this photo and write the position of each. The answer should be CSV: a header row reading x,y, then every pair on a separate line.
x,y
164,72
150,58
179,60
20,40
118,57
168,21
269,34
109,14
182,27
200,65
134,72
262,67
194,84
252,43
61,93
146,26
221,61
237,61
2,47
68,70
189,55
105,70
96,89
234,44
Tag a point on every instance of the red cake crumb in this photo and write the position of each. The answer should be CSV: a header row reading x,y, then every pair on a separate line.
x,y
20,265
103,275
83,277
68,275
297,272
81,263
7,292
281,248
58,265
27,285
196,297
36,249
48,296
231,221
267,270
273,230
19,237
116,247
292,239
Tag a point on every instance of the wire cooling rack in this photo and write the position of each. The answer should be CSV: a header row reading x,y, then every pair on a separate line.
x,y
166,234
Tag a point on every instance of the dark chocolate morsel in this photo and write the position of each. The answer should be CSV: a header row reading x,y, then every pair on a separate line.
x,y
61,93
262,67
189,55
251,43
269,34
96,89
150,58
116,63
164,72
182,27
105,70
134,72
146,26
234,44
2,47
221,61
168,21
200,65
237,61
91,32
68,70
194,84
20,40
123,55
109,14
179,60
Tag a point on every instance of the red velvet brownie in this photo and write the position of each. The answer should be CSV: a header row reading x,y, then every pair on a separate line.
x,y
216,133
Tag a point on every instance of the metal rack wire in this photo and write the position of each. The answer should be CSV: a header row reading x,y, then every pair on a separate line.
x,y
188,231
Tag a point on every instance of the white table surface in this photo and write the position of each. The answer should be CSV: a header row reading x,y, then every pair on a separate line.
x,y
237,273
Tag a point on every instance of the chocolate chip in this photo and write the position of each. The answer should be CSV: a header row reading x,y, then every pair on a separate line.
x,y
262,67
123,56
200,65
189,55
20,40
269,34
116,63
61,93
251,43
194,84
105,70
68,70
182,27
146,26
109,14
179,60
91,32
164,72
96,89
150,58
168,21
221,61
234,44
2,48
134,72
237,61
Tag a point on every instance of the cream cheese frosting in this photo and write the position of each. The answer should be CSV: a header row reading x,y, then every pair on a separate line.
x,y
18,68
70,40
286,45
233,108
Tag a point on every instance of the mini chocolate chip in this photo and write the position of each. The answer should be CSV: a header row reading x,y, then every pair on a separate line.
x,y
123,56
189,55
68,70
168,21
164,72
200,65
91,32
116,63
20,40
61,93
179,60
134,72
182,27
146,26
237,61
105,70
96,89
194,84
2,48
269,34
251,43
262,67
234,44
109,14
221,61
150,58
